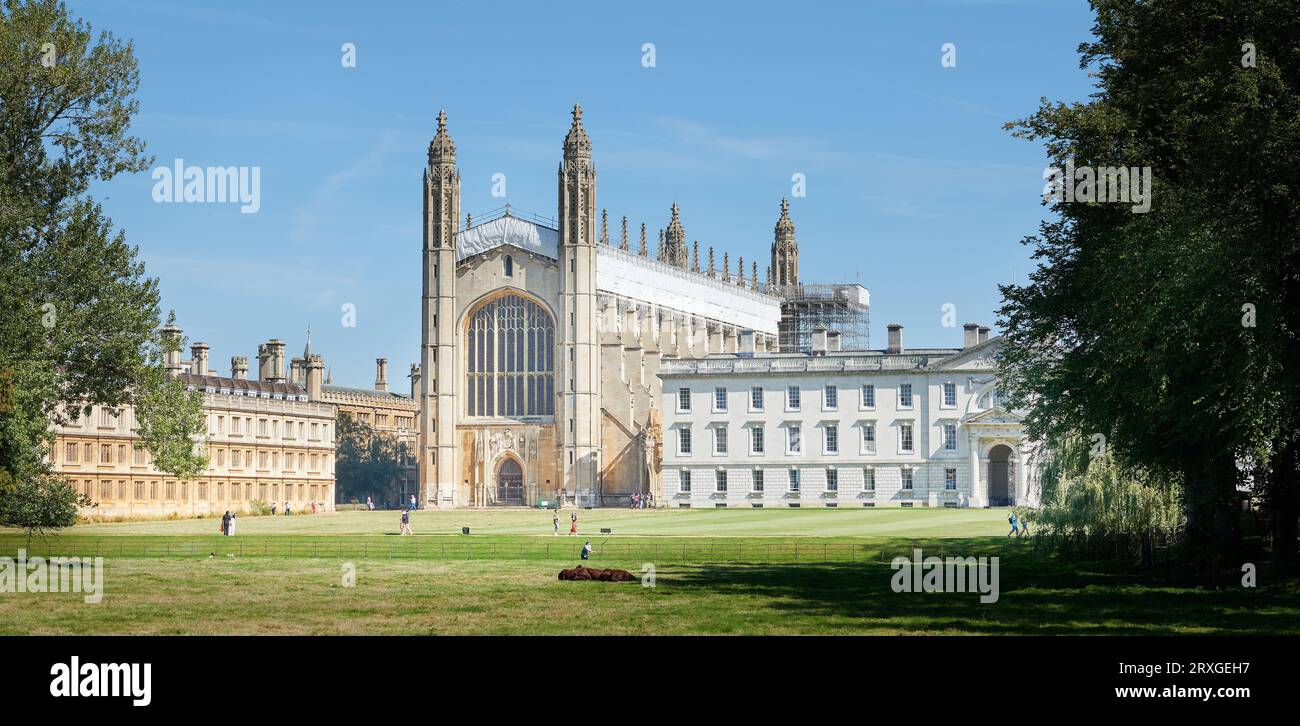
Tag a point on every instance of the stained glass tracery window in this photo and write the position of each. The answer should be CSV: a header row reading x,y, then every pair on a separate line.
x,y
510,359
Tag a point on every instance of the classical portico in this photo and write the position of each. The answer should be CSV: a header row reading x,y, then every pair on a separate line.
x,y
998,450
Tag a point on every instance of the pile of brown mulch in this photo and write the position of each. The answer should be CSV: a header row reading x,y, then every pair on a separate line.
x,y
587,573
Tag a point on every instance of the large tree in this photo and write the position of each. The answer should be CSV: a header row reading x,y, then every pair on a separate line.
x,y
79,315
369,463
1176,333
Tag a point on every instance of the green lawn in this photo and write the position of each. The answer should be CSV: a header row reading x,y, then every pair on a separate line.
x,y
860,522
261,595
716,572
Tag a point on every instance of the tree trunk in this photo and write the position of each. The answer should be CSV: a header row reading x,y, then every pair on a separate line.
x,y
1227,506
1283,502
1212,505
1198,535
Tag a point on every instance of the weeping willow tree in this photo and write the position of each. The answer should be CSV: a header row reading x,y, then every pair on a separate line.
x,y
1094,507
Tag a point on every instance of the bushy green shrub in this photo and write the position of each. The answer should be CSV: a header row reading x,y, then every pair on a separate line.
x,y
258,508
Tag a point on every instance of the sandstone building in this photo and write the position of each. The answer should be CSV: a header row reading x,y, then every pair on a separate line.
x,y
269,440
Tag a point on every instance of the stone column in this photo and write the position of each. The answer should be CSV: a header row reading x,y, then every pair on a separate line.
x,y
1021,492
977,493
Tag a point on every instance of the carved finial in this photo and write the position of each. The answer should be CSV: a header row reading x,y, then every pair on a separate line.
x,y
740,271
661,246
712,271
576,143
695,257
604,227
726,267
622,239
754,276
644,252
442,150
784,225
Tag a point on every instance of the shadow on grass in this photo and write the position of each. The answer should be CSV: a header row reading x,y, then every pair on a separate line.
x,y
1037,596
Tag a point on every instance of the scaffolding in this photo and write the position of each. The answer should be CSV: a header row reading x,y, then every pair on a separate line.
x,y
506,211
841,308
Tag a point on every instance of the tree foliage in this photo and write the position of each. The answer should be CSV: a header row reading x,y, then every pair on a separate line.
x,y
367,463
77,310
172,425
42,504
1095,508
1174,333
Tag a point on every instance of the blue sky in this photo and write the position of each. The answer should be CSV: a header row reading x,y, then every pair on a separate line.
x,y
913,188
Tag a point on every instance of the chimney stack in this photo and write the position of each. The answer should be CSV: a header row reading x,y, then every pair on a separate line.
x,y
381,374
270,361
263,362
172,356
819,341
747,342
239,367
971,335
199,359
277,359
895,338
314,376
415,381
984,333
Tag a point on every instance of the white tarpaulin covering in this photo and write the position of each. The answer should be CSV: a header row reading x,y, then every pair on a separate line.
x,y
507,231
639,278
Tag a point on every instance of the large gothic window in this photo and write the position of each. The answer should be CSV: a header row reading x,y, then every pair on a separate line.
x,y
511,359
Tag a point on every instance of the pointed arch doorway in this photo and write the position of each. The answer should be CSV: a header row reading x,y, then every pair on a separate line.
x,y
510,483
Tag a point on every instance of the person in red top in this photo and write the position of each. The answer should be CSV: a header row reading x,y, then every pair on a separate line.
x,y
573,523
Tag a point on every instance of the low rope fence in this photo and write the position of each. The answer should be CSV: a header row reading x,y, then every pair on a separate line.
x,y
644,550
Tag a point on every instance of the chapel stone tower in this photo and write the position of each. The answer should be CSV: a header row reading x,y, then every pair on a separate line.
x,y
438,344
577,420
785,252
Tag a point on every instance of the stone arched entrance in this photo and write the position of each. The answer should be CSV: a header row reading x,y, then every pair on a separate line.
x,y
510,483
1000,476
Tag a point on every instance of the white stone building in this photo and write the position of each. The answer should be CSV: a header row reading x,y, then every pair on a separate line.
x,y
833,428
